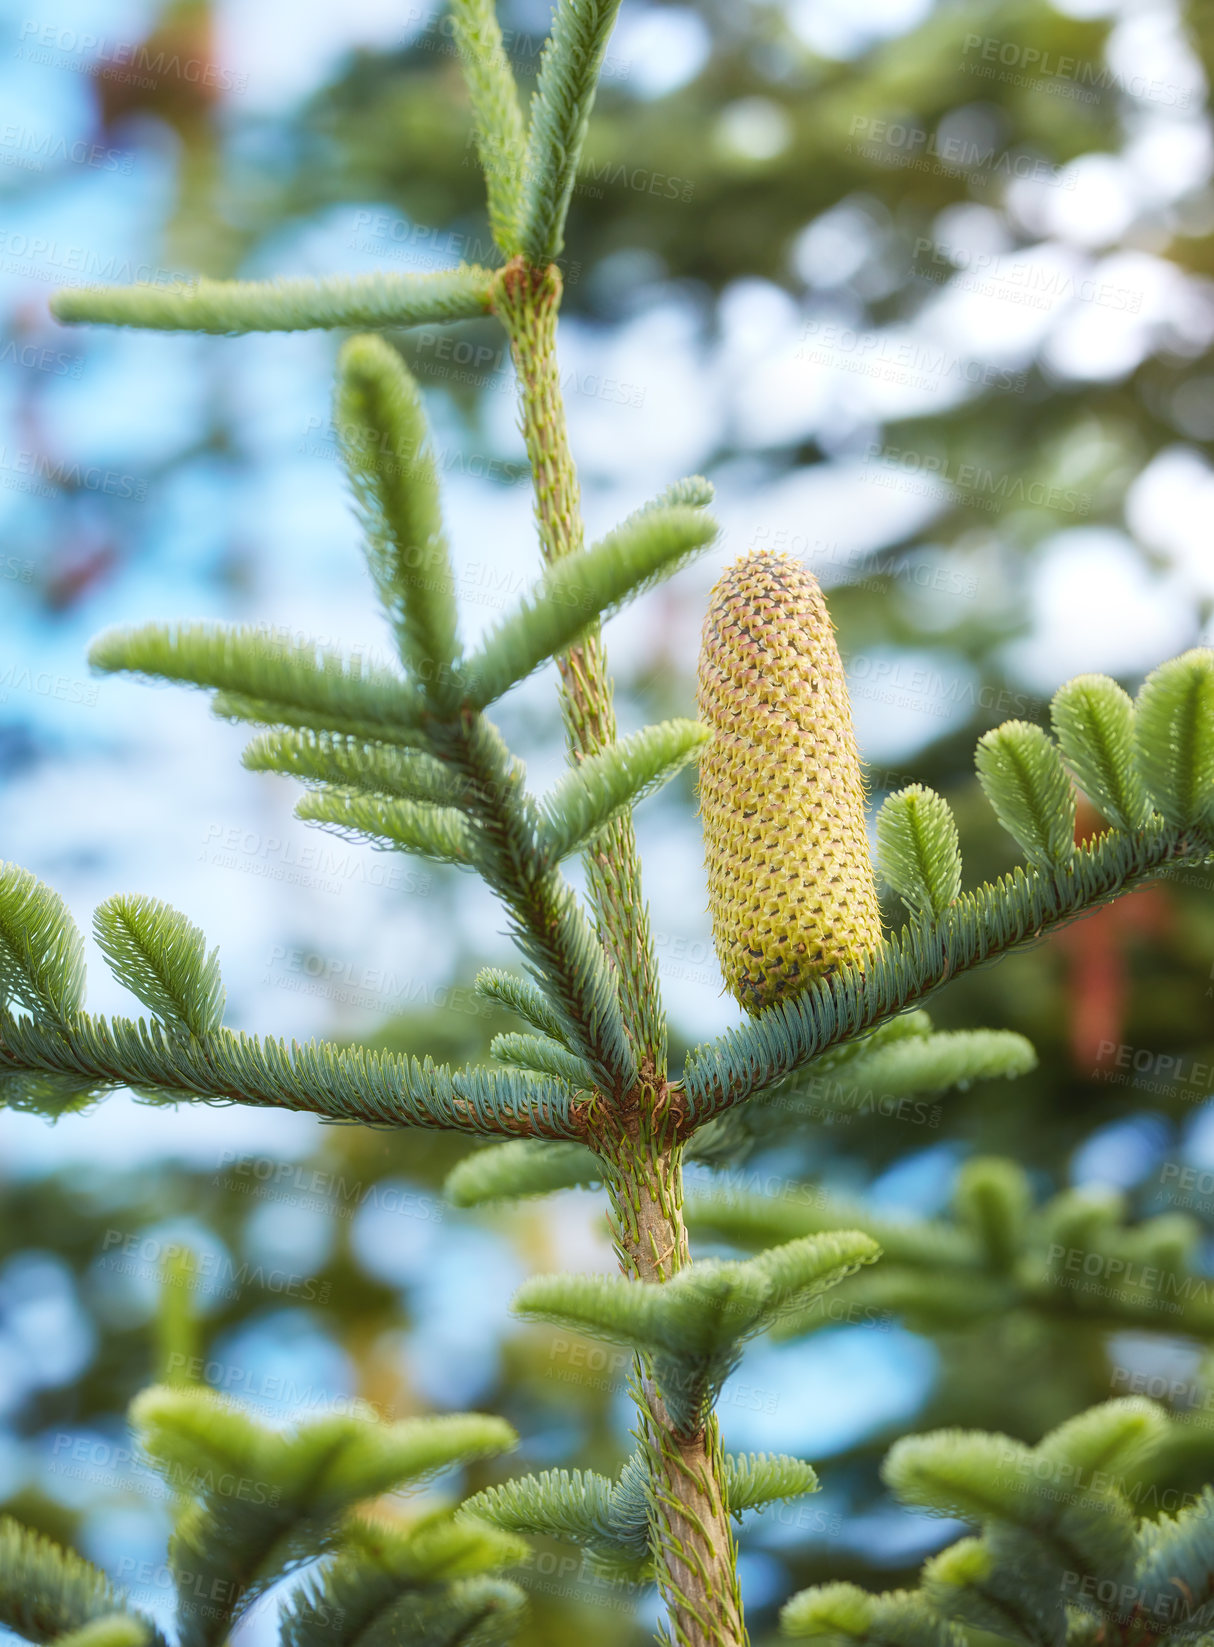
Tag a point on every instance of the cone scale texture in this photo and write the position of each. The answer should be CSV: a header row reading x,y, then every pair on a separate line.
x,y
790,879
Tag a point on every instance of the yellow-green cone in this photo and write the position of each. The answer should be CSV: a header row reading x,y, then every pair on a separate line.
x,y
790,876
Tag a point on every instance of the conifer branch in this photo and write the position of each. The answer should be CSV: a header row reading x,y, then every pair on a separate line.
x,y
560,114
288,677
575,1505
695,1324
48,1593
1174,739
338,1083
578,591
996,1254
979,927
118,1630
1060,1557
611,1519
549,927
236,707
501,139
383,437
354,763
863,1077
692,492
521,996
542,1056
591,797
440,833
902,1059
258,1501
918,850
1093,720
234,306
162,959
843,1615
510,1171
376,1590
1021,771
754,1480
41,950
412,762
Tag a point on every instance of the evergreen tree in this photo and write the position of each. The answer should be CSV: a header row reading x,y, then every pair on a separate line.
x,y
407,757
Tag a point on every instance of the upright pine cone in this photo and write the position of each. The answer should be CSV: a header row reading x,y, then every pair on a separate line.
x,y
790,877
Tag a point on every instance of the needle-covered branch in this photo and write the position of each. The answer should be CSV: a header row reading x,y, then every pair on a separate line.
x,y
1171,758
1062,1557
293,677
55,1056
48,1593
96,1055
385,445
501,139
997,1254
233,306
580,590
560,115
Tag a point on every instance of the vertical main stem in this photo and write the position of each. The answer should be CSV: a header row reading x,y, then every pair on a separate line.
x,y
527,302
692,1532
694,1547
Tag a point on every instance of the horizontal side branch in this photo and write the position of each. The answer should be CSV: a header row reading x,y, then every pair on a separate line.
x,y
339,1083
233,306
981,926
